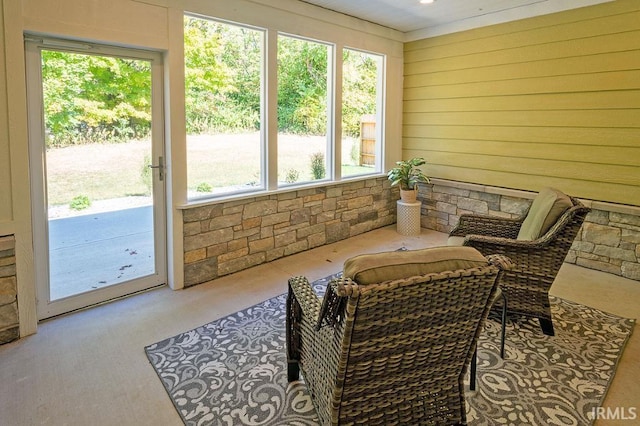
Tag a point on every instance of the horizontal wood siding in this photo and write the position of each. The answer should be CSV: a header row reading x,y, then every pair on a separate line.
x,y
547,101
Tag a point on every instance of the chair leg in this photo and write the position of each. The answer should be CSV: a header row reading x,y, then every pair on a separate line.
x,y
472,373
547,326
504,323
293,337
474,360
293,371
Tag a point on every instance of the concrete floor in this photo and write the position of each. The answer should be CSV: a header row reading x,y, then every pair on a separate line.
x,y
89,367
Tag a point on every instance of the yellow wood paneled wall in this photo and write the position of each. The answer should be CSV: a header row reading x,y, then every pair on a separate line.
x,y
547,101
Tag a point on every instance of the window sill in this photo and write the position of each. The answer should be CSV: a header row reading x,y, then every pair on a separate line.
x,y
225,198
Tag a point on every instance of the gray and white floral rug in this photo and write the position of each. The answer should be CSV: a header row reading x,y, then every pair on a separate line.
x,y
233,371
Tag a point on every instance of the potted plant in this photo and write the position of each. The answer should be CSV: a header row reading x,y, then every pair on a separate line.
x,y
407,175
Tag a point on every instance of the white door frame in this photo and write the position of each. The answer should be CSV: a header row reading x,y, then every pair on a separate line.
x,y
45,307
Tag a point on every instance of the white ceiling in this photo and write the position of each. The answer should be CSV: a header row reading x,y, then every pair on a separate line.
x,y
444,16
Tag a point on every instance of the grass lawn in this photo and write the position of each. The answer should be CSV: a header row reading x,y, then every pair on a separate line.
x,y
100,171
108,171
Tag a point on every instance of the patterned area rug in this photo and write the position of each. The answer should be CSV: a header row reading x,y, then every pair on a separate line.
x,y
233,371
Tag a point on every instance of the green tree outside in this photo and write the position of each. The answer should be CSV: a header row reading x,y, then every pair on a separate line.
x,y
95,98
92,99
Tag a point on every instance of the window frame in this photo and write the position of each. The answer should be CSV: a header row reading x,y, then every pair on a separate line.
x,y
380,111
262,186
269,125
330,106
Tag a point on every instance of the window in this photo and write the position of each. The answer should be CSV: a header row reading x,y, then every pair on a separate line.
x,y
303,110
223,102
228,147
361,113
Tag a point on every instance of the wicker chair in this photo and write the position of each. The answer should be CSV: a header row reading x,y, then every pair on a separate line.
x,y
390,344
537,261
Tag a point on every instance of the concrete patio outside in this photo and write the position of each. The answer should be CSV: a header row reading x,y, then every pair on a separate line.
x,y
95,250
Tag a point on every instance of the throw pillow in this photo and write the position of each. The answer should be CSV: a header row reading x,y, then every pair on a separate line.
x,y
545,210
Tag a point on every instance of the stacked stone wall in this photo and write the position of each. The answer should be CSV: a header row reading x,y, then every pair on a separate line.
x,y
230,236
608,241
9,326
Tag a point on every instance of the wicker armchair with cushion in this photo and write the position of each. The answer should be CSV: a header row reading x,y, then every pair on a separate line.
x,y
391,340
537,243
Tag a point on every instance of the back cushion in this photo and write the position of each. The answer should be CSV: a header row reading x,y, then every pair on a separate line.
x,y
379,267
545,211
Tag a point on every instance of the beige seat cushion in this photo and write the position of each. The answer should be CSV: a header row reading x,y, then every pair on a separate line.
x,y
455,241
545,211
379,267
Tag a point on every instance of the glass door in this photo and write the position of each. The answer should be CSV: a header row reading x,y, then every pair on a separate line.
x,y
96,147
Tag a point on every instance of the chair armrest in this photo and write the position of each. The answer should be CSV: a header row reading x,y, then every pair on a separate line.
x,y
487,225
521,253
309,302
513,243
303,306
501,261
338,291
328,311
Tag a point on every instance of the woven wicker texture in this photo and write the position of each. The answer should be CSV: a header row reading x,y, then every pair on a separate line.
x,y
390,353
537,262
408,218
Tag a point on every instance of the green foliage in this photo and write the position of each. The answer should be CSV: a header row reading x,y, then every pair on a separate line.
x,y
359,88
407,174
292,176
146,174
204,187
95,98
91,98
355,153
318,170
302,86
80,202
222,76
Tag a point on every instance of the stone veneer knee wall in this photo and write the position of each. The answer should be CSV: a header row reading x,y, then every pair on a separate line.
x,y
9,325
229,236
608,241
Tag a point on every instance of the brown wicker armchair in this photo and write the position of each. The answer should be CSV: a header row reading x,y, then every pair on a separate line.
x,y
537,260
391,341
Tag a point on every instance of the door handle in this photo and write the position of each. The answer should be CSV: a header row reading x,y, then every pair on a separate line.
x,y
160,168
